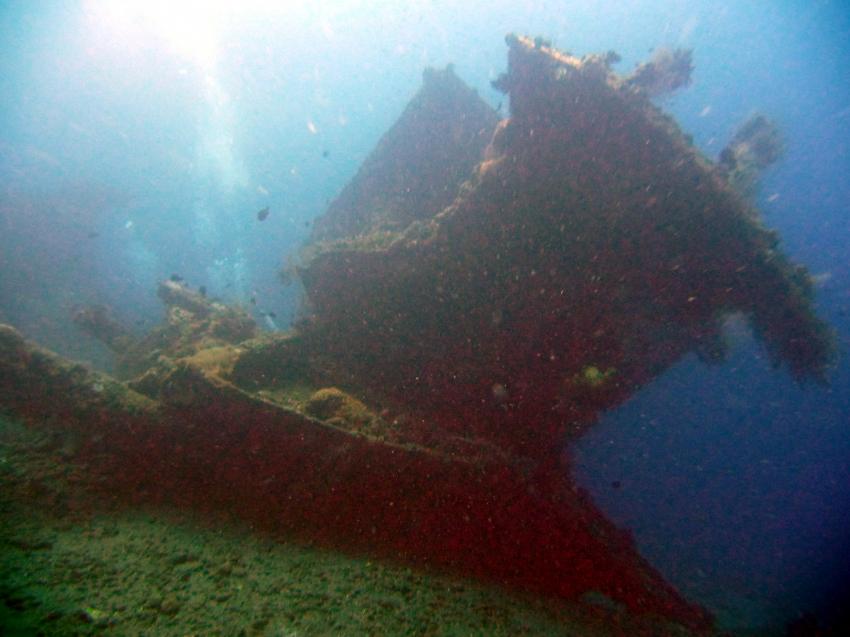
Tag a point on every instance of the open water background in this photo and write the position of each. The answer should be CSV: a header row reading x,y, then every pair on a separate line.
x,y
138,140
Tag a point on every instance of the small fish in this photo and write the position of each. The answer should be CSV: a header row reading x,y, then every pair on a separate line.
x,y
616,484
176,278
93,235
261,216
271,315
253,300
202,290
326,153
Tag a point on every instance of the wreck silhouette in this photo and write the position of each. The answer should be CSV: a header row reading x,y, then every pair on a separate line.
x,y
476,296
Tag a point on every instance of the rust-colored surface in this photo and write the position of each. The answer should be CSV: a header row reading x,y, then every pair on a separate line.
x,y
473,308
590,249
207,444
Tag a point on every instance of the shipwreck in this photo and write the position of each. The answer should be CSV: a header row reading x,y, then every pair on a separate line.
x,y
478,293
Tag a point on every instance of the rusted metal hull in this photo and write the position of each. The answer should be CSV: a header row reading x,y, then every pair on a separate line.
x,y
208,445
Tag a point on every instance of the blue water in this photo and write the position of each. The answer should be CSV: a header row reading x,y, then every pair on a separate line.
x,y
139,140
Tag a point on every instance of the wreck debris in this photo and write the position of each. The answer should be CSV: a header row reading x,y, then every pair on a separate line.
x,y
756,145
667,71
97,321
192,323
175,294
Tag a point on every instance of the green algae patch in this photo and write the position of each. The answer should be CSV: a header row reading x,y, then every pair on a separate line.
x,y
293,395
592,376
343,410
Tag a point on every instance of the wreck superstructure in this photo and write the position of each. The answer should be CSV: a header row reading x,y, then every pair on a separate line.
x,y
590,248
